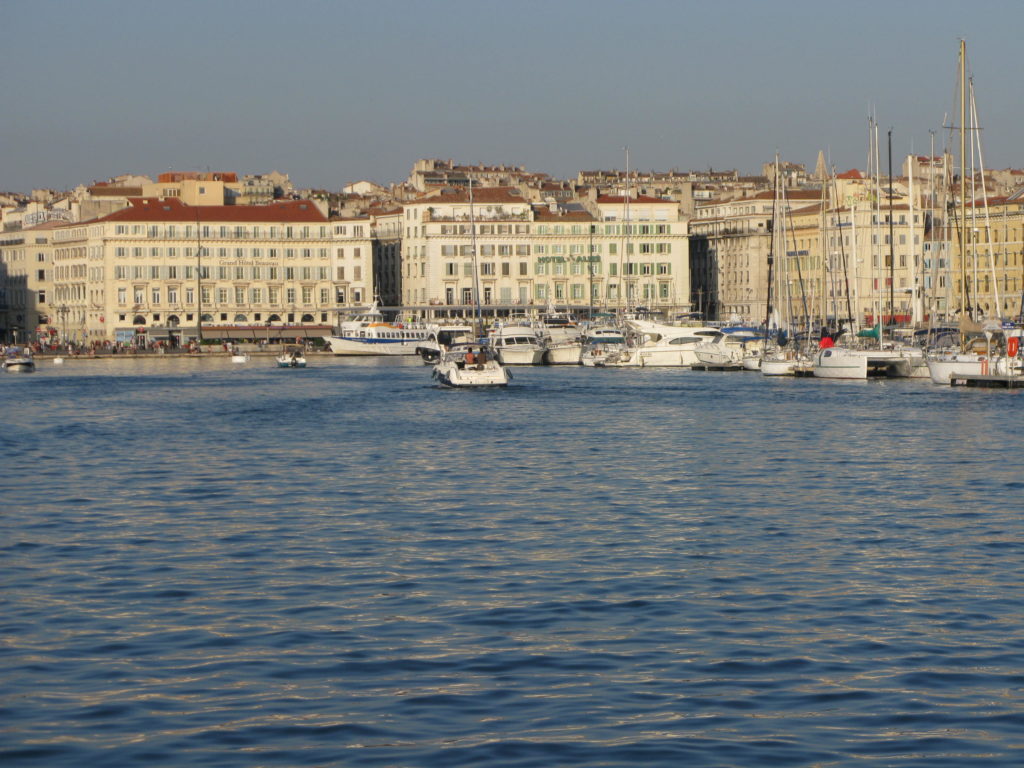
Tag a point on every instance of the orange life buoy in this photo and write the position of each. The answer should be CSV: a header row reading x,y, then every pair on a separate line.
x,y
1012,346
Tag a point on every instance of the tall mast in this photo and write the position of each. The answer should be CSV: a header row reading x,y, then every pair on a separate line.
x,y
476,269
961,234
892,248
199,283
771,252
626,231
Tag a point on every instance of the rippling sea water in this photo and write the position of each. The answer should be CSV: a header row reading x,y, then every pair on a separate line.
x,y
217,565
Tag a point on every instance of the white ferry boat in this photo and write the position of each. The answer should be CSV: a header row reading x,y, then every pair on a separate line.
x,y
369,333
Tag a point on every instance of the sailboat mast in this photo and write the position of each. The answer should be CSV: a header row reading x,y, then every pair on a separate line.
x,y
892,246
199,283
476,269
961,234
771,253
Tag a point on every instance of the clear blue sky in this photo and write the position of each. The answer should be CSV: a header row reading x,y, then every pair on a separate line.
x,y
335,92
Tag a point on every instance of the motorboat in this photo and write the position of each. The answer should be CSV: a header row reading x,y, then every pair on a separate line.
x,y
727,349
562,338
368,333
237,356
601,343
518,344
562,352
19,363
662,345
469,364
292,357
441,337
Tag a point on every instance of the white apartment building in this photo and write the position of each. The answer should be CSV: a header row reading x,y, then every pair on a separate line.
x,y
614,252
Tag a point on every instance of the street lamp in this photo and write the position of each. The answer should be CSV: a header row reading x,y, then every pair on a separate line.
x,y
62,311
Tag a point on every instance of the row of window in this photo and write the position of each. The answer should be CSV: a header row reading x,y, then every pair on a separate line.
x,y
558,229
236,232
241,296
231,253
560,292
237,272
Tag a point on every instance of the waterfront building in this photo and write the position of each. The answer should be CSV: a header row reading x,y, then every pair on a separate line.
x,y
149,269
572,254
729,247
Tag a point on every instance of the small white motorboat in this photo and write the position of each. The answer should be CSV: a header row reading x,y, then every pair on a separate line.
x,y
292,357
470,365
19,364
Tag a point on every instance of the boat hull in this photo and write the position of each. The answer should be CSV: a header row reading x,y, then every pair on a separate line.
x,y
341,345
520,355
563,354
490,374
942,369
19,366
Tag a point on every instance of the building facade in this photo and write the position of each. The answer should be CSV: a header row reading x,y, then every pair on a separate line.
x,y
158,267
613,252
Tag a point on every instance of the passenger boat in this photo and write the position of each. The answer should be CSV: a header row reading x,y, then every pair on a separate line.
x,y
469,364
368,333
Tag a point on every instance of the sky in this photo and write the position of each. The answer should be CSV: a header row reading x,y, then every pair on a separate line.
x,y
333,92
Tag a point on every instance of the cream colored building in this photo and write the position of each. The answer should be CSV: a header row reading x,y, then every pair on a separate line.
x,y
154,268
28,310
566,255
730,243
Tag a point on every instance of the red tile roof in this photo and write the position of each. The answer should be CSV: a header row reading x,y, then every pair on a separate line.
x,y
851,174
173,209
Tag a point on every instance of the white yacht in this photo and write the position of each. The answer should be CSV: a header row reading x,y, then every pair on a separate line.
x,y
601,343
728,349
518,344
369,333
562,338
662,345
466,364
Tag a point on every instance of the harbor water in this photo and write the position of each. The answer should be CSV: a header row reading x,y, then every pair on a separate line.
x,y
207,564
